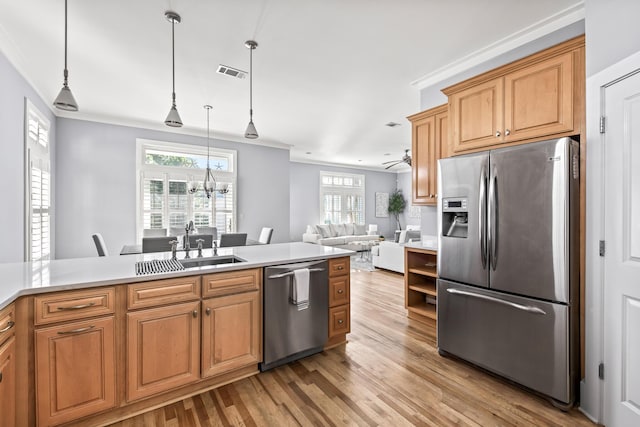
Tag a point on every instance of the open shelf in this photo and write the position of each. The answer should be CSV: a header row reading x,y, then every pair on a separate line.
x,y
424,309
429,289
420,283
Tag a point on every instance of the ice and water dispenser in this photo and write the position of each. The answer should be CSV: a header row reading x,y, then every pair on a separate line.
x,y
455,217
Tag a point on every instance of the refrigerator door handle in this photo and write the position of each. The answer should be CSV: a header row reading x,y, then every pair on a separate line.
x,y
493,221
526,308
482,214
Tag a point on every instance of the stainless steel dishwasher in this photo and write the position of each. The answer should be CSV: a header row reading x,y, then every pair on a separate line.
x,y
289,333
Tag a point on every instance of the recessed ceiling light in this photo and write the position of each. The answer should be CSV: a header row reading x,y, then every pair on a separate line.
x,y
392,124
308,152
387,154
359,160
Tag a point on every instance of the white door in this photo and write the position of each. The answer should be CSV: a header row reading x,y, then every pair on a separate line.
x,y
622,259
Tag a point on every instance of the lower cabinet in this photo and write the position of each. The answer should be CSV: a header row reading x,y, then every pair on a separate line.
x,y
75,370
231,333
8,383
339,299
163,349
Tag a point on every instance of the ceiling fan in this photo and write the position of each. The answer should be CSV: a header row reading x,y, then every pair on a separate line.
x,y
405,159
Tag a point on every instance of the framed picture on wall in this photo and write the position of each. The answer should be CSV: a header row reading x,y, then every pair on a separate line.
x,y
382,205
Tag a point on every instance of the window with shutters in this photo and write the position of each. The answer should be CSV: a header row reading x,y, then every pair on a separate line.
x,y
37,185
341,198
166,171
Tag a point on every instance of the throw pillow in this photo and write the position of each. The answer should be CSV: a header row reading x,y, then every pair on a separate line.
x,y
348,229
359,229
338,229
324,230
310,230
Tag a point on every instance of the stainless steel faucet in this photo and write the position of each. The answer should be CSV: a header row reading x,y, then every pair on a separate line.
x,y
199,242
174,248
187,243
215,247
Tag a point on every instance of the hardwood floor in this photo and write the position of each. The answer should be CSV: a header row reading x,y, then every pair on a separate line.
x,y
389,374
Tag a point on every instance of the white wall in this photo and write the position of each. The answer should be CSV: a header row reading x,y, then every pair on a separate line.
x,y
14,88
96,185
613,32
305,196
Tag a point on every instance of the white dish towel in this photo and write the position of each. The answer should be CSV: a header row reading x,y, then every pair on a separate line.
x,y
300,296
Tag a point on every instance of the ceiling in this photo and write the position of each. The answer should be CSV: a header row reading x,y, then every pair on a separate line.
x,y
328,74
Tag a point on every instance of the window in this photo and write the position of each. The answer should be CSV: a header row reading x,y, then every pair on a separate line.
x,y
166,170
341,198
37,185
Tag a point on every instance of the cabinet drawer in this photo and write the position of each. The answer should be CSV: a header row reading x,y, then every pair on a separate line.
x,y
338,266
338,290
231,282
160,292
63,306
339,320
7,323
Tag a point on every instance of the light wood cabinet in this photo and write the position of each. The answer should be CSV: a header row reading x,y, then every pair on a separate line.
x,y
231,333
420,283
536,97
429,143
8,383
73,305
75,370
339,301
163,348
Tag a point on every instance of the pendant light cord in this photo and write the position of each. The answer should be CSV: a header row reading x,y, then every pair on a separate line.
x,y
251,84
208,109
66,73
173,60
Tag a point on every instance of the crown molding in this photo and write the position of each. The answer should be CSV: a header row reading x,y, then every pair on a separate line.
x,y
344,165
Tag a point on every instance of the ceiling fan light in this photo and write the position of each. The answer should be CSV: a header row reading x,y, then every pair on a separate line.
x,y
65,100
251,132
173,118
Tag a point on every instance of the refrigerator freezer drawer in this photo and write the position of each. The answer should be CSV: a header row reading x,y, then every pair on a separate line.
x,y
523,339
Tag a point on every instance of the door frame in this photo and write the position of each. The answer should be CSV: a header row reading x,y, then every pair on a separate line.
x,y
591,387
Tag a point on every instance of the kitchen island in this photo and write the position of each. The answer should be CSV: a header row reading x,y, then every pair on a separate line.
x,y
90,342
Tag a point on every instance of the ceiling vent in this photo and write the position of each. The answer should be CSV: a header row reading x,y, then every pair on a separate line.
x,y
230,71
392,124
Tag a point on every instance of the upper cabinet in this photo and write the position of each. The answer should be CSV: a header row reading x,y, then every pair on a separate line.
x,y
539,96
429,143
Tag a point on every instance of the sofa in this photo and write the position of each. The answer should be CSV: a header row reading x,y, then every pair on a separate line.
x,y
341,236
390,255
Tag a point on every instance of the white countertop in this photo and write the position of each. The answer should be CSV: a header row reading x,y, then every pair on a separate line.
x,y
430,243
18,279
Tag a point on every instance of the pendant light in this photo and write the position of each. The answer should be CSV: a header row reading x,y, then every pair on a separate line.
x,y
251,131
209,183
65,99
173,118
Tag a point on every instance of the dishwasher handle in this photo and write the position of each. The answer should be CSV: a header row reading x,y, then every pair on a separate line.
x,y
290,273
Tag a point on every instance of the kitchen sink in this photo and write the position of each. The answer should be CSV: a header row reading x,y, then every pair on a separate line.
x,y
215,260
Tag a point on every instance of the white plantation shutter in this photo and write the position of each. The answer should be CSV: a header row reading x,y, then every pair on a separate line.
x,y
342,198
164,201
38,186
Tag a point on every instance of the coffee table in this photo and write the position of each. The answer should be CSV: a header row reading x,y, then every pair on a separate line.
x,y
365,249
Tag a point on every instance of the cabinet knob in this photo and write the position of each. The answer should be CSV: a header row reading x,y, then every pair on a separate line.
x,y
340,291
497,134
507,132
340,267
340,322
195,313
208,311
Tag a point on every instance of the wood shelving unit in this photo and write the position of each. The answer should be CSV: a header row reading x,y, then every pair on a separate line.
x,y
420,266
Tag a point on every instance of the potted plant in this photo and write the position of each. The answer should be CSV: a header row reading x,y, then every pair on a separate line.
x,y
397,204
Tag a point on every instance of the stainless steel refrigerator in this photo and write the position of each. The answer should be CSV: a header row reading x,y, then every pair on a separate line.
x,y
508,263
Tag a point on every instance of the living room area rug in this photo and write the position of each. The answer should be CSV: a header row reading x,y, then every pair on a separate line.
x,y
361,264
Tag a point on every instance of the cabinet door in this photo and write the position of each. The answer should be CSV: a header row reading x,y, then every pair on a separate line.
x,y
75,370
231,333
539,99
8,384
477,116
163,348
339,320
422,159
